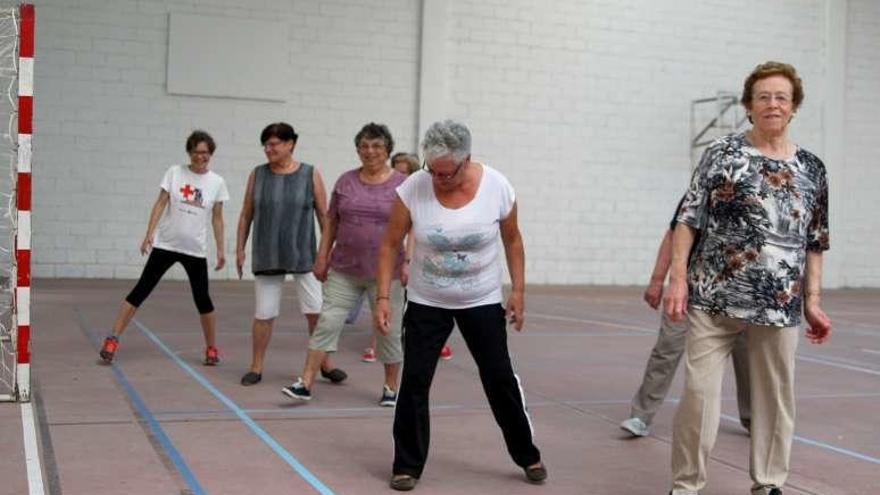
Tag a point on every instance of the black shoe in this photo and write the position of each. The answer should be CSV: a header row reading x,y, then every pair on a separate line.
x,y
775,491
536,474
297,390
403,482
251,378
335,375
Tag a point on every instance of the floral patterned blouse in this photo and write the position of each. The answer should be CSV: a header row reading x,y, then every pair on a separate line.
x,y
758,217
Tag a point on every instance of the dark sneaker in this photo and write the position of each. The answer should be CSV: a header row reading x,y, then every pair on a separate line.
x,y
389,397
335,375
775,491
403,482
251,378
111,343
297,390
212,356
536,474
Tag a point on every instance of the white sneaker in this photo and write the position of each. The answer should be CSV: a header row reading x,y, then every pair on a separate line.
x,y
636,426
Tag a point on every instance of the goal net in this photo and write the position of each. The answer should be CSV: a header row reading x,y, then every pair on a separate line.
x,y
16,104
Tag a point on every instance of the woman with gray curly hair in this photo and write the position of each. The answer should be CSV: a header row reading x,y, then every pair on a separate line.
x,y
455,208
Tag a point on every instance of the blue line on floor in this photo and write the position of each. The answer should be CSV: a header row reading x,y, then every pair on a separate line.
x,y
144,412
242,415
158,432
821,445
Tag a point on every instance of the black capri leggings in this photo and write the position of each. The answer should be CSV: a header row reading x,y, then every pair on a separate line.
x,y
158,263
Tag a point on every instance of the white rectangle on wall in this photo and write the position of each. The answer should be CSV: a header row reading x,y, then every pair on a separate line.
x,y
226,57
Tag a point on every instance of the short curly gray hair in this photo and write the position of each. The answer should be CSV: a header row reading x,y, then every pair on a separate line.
x,y
447,138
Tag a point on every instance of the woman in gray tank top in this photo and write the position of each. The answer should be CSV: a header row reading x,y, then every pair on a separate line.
x,y
283,199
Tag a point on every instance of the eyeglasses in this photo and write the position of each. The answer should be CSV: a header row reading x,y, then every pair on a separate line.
x,y
441,177
273,143
767,98
371,145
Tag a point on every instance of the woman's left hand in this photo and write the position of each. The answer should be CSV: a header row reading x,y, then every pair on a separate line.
x,y
221,262
515,307
404,273
382,316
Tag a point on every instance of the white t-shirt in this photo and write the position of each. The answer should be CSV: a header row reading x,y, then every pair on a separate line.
x,y
183,227
457,258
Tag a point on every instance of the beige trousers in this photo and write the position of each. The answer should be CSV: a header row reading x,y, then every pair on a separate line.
x,y
771,353
661,366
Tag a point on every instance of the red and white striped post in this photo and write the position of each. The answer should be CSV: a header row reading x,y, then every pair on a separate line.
x,y
23,202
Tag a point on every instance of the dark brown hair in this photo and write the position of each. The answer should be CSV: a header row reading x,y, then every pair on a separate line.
x,y
772,68
200,136
375,131
280,130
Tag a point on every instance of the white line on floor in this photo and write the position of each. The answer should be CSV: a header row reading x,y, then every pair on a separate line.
x,y
31,452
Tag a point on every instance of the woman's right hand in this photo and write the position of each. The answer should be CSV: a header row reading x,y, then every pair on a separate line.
x,y
675,302
239,261
320,269
146,245
382,316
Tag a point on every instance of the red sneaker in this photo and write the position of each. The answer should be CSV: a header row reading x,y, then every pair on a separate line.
x,y
109,349
212,356
369,355
446,353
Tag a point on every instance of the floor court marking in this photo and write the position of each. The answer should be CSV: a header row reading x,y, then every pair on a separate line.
x,y
841,360
835,362
147,416
328,412
870,351
812,359
240,413
821,445
31,452
595,322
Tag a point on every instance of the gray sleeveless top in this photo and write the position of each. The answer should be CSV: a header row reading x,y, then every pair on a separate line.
x,y
283,238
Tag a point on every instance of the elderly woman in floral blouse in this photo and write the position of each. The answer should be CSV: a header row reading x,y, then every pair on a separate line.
x,y
760,203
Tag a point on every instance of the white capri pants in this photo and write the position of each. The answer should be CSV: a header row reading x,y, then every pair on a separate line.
x,y
267,292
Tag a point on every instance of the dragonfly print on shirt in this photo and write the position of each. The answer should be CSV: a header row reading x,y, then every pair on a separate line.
x,y
452,261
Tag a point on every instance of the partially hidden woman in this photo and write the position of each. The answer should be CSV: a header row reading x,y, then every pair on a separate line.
x,y
456,209
359,210
177,232
283,199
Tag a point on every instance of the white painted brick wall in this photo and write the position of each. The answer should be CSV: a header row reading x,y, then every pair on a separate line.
x,y
583,104
858,234
106,130
585,107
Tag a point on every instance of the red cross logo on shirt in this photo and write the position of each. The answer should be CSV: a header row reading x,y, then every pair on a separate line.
x,y
187,192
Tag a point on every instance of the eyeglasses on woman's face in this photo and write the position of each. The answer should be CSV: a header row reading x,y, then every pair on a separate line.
x,y
444,176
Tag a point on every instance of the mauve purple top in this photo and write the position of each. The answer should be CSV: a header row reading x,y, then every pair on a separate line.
x,y
362,211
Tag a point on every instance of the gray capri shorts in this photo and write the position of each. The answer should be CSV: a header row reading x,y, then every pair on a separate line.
x,y
341,292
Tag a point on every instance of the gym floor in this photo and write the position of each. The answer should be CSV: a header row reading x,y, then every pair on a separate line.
x,y
158,422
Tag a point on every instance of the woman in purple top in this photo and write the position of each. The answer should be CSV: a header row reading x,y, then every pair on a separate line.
x,y
359,211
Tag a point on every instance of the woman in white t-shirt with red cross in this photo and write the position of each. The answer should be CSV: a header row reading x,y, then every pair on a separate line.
x,y
177,233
